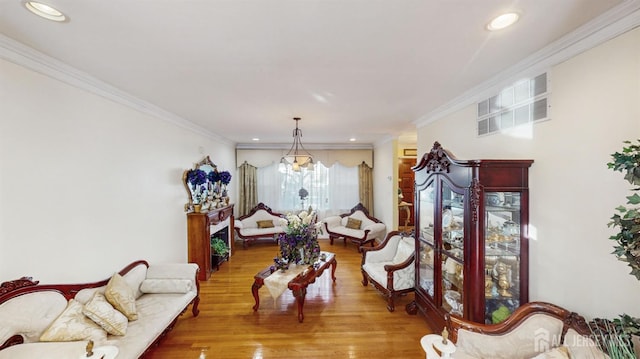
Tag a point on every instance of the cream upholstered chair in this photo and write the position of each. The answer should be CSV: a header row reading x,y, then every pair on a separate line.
x,y
390,266
535,330
357,226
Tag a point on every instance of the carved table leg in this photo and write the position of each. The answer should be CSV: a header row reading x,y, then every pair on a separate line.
x,y
334,264
254,290
300,294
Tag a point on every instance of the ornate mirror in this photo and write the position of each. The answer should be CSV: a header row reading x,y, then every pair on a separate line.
x,y
199,183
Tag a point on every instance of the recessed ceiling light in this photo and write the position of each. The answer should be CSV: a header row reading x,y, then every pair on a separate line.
x,y
255,139
45,11
502,21
352,139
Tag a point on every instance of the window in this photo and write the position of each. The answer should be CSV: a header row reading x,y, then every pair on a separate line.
x,y
331,190
522,103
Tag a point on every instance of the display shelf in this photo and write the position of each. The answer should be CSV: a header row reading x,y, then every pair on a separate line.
x,y
456,255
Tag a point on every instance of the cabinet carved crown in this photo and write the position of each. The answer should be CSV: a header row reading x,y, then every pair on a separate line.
x,y
437,159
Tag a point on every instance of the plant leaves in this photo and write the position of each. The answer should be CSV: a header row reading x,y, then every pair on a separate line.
x,y
634,199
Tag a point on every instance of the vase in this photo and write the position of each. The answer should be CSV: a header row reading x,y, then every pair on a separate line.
x,y
197,208
302,260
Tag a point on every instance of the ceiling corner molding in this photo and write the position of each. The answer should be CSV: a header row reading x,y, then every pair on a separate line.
x,y
607,26
384,140
22,55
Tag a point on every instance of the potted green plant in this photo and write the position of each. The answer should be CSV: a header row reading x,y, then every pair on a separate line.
x,y
219,251
614,337
627,248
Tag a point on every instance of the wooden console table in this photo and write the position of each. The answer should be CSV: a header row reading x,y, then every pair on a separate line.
x,y
199,236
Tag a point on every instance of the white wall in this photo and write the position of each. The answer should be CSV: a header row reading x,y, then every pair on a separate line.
x,y
595,99
88,185
385,177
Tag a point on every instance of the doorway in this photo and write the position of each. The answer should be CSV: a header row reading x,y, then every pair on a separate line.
x,y
405,193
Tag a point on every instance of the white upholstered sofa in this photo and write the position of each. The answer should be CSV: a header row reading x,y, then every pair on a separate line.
x,y
357,226
535,330
260,222
57,321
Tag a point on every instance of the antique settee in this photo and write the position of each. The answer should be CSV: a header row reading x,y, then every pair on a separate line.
x,y
57,321
357,226
390,266
260,222
535,330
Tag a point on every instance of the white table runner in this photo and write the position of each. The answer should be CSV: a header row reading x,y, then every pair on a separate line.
x,y
278,281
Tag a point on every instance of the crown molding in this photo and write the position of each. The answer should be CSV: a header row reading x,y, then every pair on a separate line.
x,y
310,147
607,26
22,55
384,140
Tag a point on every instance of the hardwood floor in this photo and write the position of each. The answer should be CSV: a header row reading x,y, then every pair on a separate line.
x,y
341,320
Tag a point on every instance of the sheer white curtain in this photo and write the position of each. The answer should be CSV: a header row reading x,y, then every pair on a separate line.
x,y
331,190
269,186
344,194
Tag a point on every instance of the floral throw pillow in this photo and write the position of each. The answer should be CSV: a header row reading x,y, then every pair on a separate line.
x,y
102,312
555,353
121,296
72,325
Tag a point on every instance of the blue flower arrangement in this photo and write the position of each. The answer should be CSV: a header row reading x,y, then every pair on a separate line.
x,y
196,177
225,177
213,176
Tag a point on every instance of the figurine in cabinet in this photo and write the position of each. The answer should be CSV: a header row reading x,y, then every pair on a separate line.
x,y
488,284
503,281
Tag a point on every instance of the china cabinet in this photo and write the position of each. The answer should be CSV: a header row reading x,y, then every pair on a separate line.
x,y
471,220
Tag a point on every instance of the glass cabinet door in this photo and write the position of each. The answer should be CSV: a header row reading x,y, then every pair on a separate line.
x,y
426,220
452,224
502,254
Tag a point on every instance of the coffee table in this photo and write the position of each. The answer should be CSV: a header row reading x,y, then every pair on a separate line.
x,y
298,285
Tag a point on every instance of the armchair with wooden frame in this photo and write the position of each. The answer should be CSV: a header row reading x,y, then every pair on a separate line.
x,y
390,266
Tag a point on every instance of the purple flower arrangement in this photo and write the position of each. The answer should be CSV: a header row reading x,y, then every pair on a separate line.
x,y
299,244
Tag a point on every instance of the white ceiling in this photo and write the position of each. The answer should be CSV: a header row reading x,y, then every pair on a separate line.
x,y
367,69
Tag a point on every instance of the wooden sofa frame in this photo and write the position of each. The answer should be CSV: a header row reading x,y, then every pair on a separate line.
x,y
570,320
25,285
245,238
359,241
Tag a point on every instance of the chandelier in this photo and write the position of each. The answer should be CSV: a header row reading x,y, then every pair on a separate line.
x,y
297,156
